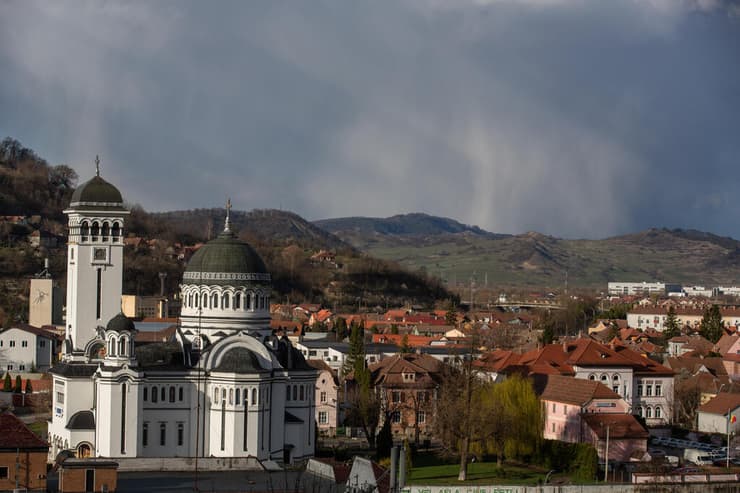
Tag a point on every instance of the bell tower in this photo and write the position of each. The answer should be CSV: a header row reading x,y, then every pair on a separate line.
x,y
94,262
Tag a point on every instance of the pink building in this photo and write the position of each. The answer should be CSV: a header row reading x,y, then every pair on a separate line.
x,y
327,398
578,410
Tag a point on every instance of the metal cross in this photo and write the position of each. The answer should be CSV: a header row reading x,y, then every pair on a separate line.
x,y
97,165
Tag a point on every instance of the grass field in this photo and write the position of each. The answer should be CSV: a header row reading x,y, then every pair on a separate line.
x,y
478,473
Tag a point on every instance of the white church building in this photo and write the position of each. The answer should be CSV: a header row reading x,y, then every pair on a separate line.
x,y
227,387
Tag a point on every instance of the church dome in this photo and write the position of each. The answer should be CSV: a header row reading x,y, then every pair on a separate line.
x,y
98,193
224,260
121,323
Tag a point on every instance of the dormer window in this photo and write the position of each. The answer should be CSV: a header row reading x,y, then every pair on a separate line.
x,y
409,377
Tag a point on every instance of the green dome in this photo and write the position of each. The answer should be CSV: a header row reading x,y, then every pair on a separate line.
x,y
121,323
97,192
223,260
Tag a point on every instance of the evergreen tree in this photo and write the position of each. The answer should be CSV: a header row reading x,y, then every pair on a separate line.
x,y
712,326
340,328
451,315
671,328
356,356
18,385
29,388
384,442
8,384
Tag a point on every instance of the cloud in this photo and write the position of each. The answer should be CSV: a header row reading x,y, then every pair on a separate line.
x,y
570,117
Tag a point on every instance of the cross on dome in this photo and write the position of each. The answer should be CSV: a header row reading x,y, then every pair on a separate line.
x,y
228,210
97,165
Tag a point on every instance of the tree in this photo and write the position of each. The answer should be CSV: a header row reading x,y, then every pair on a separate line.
x,y
451,315
29,388
18,388
356,348
548,334
671,327
712,326
384,442
340,328
405,347
363,403
8,383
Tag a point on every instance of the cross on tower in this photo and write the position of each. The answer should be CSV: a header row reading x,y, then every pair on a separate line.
x,y
97,165
228,210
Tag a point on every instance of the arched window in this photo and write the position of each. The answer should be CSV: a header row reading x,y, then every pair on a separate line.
x,y
181,393
204,299
95,231
215,394
146,393
214,301
302,395
658,412
254,397
225,300
648,412
287,392
295,392
223,394
261,300
154,394
122,346
615,379
172,394
113,345
162,394
116,232
248,302
231,396
237,301
604,379
106,231
84,231
592,377
238,400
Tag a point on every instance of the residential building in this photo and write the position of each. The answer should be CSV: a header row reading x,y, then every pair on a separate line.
x,y
328,409
25,348
576,409
642,288
22,456
134,306
716,416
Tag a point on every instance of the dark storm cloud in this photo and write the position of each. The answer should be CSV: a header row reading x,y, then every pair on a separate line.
x,y
570,117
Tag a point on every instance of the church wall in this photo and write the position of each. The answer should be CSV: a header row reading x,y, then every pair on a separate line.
x,y
116,420
69,395
302,436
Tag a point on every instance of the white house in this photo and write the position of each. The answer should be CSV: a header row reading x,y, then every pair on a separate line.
x,y
27,348
716,415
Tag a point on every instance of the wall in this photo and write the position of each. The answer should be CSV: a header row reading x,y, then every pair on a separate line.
x,y
73,480
588,488
32,473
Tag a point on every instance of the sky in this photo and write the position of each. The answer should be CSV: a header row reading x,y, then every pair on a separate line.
x,y
575,118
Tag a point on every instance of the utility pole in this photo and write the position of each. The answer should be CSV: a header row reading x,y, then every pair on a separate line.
x,y
606,456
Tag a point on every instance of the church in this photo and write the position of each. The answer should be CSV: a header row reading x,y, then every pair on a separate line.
x,y
226,387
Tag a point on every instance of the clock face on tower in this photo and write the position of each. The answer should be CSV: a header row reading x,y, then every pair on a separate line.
x,y
100,254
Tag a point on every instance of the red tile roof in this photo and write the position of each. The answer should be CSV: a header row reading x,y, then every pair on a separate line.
x,y
576,391
14,434
721,403
621,426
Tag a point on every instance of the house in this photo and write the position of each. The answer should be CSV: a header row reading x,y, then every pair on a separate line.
x,y
43,238
328,411
575,409
408,385
87,474
645,384
26,348
368,476
720,414
684,344
22,456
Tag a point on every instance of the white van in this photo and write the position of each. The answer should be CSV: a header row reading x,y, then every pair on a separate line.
x,y
698,457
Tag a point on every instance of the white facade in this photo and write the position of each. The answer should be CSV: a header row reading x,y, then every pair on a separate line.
x,y
638,288
224,387
26,349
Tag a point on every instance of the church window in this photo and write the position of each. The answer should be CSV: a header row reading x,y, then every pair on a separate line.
x,y
99,293
302,391
196,301
223,394
237,301
154,394
254,397
84,231
122,346
106,231
214,301
648,412
287,392
24,343
123,418
112,346
204,299
146,394
248,302
181,392
162,434
245,427
115,232
295,392
71,253
180,434
95,231
172,394
223,425
215,394
163,395
231,396
238,397
145,434
12,343
225,301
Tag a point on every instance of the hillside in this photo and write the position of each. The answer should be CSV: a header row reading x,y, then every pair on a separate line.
x,y
33,195
536,260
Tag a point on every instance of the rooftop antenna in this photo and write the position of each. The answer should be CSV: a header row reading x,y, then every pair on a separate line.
x,y
97,165
228,209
